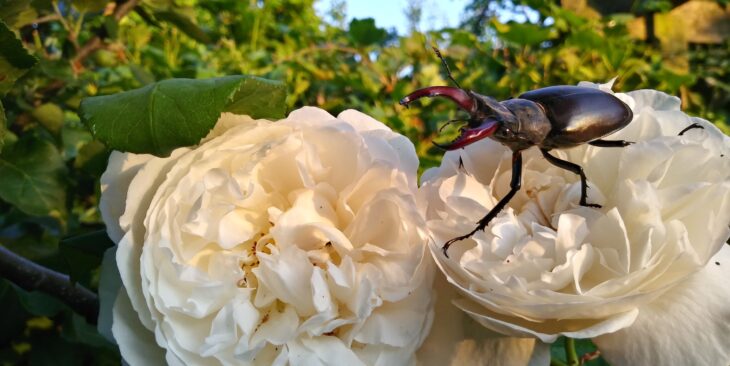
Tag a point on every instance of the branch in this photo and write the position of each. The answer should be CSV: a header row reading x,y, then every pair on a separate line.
x,y
97,41
48,18
34,277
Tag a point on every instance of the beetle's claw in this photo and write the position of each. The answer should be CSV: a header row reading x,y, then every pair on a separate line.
x,y
692,126
445,248
459,96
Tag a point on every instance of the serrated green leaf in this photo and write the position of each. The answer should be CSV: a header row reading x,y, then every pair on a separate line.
x,y
162,116
32,174
14,59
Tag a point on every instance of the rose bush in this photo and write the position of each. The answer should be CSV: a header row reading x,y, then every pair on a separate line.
x,y
294,242
645,276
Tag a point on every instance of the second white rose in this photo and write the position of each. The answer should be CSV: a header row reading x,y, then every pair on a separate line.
x,y
547,267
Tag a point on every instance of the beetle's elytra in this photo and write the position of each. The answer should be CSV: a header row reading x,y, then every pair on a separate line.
x,y
549,118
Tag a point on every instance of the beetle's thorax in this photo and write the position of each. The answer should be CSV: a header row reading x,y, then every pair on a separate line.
x,y
528,125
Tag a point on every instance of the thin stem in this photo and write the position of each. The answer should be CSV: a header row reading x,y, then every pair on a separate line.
x,y
33,277
47,18
570,352
556,362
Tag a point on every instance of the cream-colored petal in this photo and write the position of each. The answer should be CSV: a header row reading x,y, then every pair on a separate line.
x,y
688,325
547,331
655,99
361,121
136,343
456,339
109,286
115,181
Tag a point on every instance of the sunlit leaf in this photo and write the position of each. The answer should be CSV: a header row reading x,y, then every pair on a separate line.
x,y
162,116
17,13
185,24
522,33
89,5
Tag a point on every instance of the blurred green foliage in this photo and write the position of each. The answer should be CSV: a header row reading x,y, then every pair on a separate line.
x,y
50,164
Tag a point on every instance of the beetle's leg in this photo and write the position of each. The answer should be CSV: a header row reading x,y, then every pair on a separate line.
x,y
610,143
446,66
694,125
575,168
514,185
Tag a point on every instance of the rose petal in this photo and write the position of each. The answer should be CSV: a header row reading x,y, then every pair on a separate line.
x,y
109,286
136,343
688,325
361,121
287,274
455,339
115,181
655,99
547,331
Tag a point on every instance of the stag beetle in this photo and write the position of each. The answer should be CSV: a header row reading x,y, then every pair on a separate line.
x,y
555,117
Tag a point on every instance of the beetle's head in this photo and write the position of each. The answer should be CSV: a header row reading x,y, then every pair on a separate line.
x,y
486,114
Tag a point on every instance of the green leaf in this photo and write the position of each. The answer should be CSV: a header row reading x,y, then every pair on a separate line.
x,y
83,253
17,13
160,117
3,127
38,303
583,347
14,59
14,320
89,6
77,330
185,24
32,174
522,33
363,32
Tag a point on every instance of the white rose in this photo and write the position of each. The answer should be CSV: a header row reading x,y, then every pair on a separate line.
x,y
297,242
648,272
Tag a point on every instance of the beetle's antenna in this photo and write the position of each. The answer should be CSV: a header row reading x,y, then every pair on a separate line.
x,y
443,62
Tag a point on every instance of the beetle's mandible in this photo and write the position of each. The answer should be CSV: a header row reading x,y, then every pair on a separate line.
x,y
550,118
